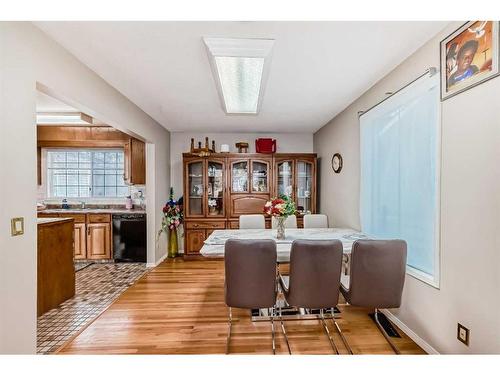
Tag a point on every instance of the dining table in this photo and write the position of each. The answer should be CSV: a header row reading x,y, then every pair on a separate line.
x,y
214,244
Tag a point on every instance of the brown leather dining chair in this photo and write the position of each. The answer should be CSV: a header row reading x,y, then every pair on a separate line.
x,y
250,278
377,277
314,280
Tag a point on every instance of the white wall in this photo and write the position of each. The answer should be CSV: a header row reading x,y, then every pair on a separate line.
x,y
181,142
30,59
470,207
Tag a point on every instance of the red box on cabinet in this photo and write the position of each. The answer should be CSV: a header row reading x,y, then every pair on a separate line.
x,y
265,145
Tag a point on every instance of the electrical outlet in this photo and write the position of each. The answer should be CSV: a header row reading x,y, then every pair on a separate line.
x,y
463,334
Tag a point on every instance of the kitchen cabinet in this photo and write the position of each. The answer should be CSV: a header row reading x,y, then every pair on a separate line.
x,y
55,269
80,249
98,236
98,241
39,166
135,162
92,234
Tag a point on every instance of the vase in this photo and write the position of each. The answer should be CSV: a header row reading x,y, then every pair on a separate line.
x,y
280,227
173,249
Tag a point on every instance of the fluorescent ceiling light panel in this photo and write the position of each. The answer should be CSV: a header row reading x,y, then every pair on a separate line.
x,y
240,78
75,118
240,68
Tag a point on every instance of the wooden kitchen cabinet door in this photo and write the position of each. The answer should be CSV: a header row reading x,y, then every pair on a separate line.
x,y
98,241
80,244
135,162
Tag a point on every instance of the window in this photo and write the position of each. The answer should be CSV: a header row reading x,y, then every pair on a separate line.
x,y
86,174
400,174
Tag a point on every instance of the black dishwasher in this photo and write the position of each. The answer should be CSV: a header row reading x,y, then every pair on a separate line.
x,y
129,237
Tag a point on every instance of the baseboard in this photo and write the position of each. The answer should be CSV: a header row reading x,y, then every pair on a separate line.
x,y
152,265
418,340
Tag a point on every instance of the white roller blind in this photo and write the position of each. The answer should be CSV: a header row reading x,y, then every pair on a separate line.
x,y
400,172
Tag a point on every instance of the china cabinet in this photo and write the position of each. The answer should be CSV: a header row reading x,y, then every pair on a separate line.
x,y
221,187
295,176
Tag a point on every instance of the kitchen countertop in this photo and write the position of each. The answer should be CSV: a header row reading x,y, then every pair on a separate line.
x,y
50,220
91,211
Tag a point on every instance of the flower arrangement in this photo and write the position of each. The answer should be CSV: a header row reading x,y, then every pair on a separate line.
x,y
281,206
172,214
172,218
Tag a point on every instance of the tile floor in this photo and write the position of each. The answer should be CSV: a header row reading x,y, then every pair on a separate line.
x,y
97,286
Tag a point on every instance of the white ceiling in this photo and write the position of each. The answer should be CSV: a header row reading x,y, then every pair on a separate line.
x,y
317,69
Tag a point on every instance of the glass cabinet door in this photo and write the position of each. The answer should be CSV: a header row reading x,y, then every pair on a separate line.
x,y
304,186
196,188
285,178
239,177
260,177
215,186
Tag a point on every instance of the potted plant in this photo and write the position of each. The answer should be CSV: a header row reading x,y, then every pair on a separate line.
x,y
280,208
172,218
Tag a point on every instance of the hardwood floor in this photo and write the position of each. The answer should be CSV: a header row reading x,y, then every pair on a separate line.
x,y
178,308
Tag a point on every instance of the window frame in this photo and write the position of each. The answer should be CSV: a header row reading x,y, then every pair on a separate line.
x,y
435,279
46,167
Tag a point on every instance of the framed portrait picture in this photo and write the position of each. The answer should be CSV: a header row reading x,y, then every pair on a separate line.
x,y
469,56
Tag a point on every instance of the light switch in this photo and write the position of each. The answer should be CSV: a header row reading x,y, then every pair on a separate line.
x,y
463,334
17,226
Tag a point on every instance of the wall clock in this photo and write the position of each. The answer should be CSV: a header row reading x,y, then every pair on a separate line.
x,y
337,163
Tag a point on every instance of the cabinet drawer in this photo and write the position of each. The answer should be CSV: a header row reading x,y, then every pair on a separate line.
x,y
78,218
205,225
41,214
99,218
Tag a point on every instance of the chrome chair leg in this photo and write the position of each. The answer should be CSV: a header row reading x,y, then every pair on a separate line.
x,y
230,322
344,339
272,330
284,331
386,336
334,347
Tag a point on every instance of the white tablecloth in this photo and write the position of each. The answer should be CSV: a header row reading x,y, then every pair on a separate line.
x,y
214,244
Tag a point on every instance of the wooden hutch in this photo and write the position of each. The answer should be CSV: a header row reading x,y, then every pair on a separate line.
x,y
222,186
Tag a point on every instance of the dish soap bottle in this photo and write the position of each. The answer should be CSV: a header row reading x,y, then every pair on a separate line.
x,y
128,203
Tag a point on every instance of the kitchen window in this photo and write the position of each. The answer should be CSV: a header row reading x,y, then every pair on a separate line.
x,y
86,174
400,159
